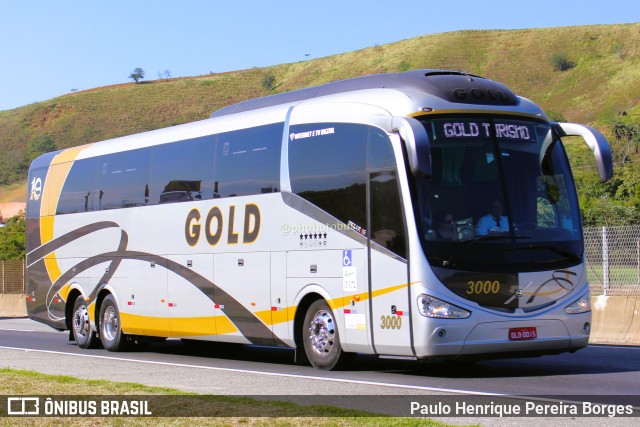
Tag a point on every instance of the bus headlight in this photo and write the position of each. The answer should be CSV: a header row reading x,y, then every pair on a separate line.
x,y
581,305
433,307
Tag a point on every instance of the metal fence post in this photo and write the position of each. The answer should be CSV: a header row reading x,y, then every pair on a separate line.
x,y
605,262
2,275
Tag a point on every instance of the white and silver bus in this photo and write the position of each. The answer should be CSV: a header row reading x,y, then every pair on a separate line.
x,y
425,214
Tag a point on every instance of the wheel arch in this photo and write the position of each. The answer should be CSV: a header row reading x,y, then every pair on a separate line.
x,y
68,309
298,320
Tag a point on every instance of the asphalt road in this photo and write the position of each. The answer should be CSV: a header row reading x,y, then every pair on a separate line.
x,y
605,372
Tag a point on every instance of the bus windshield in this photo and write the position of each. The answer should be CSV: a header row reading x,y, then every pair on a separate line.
x,y
501,197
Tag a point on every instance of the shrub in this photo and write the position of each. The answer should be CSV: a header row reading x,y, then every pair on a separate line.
x,y
561,62
268,81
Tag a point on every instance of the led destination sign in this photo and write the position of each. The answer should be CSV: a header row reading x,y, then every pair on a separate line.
x,y
505,131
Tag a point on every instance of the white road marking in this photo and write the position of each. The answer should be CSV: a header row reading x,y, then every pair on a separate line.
x,y
272,374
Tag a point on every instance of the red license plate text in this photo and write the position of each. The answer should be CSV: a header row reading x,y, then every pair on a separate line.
x,y
523,334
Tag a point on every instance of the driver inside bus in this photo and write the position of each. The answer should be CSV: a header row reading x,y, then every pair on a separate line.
x,y
493,222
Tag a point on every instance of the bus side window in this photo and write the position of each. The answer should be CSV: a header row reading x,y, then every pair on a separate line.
x,y
386,215
78,193
327,166
387,226
123,179
182,171
247,161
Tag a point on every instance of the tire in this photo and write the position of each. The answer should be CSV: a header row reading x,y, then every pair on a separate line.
x,y
321,339
110,327
83,335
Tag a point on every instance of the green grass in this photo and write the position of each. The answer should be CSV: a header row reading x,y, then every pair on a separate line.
x,y
17,382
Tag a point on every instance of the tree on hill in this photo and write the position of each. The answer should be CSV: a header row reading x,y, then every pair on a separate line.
x,y
137,75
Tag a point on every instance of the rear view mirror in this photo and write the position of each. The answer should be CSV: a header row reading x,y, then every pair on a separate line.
x,y
596,141
417,144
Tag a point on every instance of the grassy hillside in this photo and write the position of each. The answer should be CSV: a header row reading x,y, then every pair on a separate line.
x,y
604,82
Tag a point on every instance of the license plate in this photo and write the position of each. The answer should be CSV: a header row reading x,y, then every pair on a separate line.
x,y
523,334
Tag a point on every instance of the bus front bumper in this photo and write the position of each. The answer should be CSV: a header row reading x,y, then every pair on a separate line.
x,y
521,338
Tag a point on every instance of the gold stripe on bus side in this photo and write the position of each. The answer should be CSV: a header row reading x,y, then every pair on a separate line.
x,y
276,317
287,314
344,301
64,292
58,172
144,325
136,324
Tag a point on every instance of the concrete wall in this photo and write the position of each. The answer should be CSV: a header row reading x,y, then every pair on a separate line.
x,y
616,319
12,305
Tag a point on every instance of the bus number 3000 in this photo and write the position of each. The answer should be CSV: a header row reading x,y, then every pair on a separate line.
x,y
480,287
390,322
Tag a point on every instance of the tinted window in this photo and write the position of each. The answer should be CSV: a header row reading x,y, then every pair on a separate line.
x,y
182,171
123,180
379,151
236,163
328,168
386,215
387,225
78,193
329,165
248,161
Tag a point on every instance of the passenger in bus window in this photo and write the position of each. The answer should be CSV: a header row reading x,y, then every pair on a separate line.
x,y
493,222
446,227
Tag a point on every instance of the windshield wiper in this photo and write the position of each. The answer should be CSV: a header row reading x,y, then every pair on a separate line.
x,y
555,249
495,237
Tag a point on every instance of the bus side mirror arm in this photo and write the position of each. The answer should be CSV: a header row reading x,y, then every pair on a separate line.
x,y
596,141
416,143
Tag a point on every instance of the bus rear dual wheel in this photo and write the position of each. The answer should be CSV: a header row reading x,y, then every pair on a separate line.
x,y
321,339
110,327
83,335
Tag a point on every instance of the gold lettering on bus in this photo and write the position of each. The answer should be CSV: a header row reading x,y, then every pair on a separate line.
x,y
251,223
192,227
214,225
213,237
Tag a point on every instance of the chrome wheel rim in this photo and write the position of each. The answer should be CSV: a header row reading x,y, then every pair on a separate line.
x,y
81,325
110,323
322,332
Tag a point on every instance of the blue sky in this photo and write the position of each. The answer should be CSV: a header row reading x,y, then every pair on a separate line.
x,y
50,48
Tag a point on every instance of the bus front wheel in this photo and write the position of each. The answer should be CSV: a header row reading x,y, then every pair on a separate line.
x,y
110,328
321,339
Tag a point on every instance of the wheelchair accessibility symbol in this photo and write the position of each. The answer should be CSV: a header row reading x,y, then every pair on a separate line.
x,y
346,258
